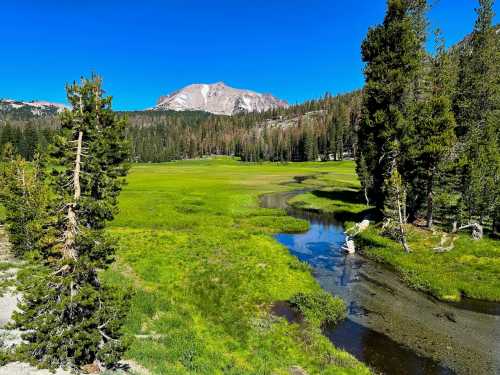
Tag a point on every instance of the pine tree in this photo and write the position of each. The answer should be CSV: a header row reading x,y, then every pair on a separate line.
x,y
476,107
7,152
393,55
70,318
25,197
394,210
7,135
434,125
309,149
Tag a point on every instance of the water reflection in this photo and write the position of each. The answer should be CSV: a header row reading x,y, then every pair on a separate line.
x,y
340,274
380,352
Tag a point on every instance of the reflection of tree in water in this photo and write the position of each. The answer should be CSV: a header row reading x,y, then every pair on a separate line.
x,y
349,271
381,352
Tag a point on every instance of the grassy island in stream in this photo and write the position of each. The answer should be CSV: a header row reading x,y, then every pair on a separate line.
x,y
198,252
471,269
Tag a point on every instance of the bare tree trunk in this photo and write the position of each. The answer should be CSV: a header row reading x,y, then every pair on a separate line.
x,y
69,251
496,223
401,220
477,230
430,202
403,208
366,197
401,223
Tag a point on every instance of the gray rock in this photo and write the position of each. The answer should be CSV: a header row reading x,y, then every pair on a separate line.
x,y
218,98
19,368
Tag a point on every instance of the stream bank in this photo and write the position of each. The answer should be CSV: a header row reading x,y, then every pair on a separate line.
x,y
392,328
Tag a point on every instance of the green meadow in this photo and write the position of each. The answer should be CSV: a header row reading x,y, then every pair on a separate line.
x,y
198,253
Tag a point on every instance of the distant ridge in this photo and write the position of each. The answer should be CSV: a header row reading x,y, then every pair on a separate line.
x,y
35,108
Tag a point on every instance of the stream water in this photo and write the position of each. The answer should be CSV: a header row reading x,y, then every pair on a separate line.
x,y
390,327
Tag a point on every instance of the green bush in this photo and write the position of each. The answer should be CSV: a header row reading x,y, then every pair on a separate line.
x,y
319,307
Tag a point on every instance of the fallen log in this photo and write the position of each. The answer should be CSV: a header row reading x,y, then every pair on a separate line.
x,y
477,230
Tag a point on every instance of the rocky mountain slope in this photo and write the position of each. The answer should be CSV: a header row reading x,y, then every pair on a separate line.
x,y
35,108
218,98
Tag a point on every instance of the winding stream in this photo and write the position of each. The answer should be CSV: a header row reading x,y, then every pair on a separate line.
x,y
390,327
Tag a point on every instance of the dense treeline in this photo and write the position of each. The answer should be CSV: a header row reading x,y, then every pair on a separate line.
x,y
429,133
317,129
28,136
313,130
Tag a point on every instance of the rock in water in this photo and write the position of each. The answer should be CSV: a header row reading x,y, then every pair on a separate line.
x,y
219,99
349,246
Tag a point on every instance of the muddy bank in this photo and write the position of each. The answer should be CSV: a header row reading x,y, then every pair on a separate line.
x,y
391,327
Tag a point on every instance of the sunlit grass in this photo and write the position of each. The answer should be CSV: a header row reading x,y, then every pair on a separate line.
x,y
2,214
197,250
471,269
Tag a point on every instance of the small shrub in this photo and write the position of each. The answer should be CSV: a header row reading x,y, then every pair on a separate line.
x,y
319,307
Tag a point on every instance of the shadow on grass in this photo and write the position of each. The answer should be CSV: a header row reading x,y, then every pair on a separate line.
x,y
370,213
348,196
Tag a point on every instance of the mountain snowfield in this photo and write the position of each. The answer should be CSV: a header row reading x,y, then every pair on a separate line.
x,y
219,99
37,108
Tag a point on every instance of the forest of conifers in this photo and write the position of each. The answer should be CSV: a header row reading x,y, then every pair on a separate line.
x,y
317,129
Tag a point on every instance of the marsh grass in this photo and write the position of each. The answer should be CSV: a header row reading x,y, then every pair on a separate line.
x,y
197,250
2,214
471,269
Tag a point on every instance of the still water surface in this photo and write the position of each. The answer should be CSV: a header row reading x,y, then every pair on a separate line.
x,y
393,329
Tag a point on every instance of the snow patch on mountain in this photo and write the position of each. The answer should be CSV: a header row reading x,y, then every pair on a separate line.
x,y
37,108
218,98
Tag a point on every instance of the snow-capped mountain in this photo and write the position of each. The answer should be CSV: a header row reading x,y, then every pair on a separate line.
x,y
35,108
218,98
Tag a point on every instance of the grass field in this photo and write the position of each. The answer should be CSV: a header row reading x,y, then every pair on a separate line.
x,y
198,253
197,250
471,269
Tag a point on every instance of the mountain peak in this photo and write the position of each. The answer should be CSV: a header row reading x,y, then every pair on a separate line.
x,y
218,98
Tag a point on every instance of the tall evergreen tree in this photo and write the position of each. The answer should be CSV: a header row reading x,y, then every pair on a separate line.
x,y
70,318
476,106
393,56
434,125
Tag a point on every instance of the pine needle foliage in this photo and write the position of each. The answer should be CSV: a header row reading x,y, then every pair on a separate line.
x,y
392,52
477,108
70,318
25,198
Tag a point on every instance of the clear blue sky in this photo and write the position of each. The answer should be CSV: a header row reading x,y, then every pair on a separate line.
x,y
294,49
